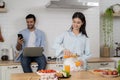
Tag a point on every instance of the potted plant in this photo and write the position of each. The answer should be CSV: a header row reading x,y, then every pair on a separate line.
x,y
107,29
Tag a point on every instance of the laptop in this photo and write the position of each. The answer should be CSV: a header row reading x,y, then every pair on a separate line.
x,y
33,51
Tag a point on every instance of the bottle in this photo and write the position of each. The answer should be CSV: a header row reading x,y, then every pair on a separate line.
x,y
11,53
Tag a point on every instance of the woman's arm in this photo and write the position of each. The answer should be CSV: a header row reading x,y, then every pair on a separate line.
x,y
87,53
58,44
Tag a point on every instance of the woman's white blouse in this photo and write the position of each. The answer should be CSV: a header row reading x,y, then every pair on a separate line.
x,y
76,44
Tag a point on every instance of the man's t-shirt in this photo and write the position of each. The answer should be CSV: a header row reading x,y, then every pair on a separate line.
x,y
32,38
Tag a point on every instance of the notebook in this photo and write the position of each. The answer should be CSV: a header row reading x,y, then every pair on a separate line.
x,y
33,51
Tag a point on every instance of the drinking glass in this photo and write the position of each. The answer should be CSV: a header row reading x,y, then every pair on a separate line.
x,y
67,68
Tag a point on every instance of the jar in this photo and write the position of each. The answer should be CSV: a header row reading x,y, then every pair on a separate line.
x,y
74,63
116,8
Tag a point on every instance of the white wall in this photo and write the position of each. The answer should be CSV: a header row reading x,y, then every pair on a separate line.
x,y
52,21
104,4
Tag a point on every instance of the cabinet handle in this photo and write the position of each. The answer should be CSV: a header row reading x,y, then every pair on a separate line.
x,y
104,64
59,65
13,67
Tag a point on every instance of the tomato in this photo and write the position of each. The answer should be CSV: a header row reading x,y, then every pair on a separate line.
x,y
98,70
47,71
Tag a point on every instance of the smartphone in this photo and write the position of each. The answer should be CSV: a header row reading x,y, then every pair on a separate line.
x,y
20,35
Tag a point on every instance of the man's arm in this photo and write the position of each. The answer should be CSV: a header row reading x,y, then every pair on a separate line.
x,y
43,42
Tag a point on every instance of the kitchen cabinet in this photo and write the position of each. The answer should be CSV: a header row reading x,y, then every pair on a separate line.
x,y
100,65
9,67
95,63
6,71
57,67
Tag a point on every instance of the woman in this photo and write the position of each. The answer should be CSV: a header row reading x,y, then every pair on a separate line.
x,y
74,41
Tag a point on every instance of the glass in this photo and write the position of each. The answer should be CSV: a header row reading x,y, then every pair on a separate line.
x,y
79,64
67,68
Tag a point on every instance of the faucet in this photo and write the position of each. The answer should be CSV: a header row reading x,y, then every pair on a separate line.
x,y
117,48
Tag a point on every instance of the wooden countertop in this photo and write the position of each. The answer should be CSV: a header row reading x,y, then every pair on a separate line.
x,y
8,63
91,60
82,75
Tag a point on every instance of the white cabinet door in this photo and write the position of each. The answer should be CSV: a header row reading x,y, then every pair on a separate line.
x,y
12,69
2,73
100,65
6,71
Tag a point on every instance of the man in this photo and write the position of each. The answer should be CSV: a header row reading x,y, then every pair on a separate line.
x,y
32,37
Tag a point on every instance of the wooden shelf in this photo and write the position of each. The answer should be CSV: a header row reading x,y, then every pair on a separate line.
x,y
3,10
116,14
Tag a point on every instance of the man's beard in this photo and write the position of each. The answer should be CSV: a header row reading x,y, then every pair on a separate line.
x,y
30,27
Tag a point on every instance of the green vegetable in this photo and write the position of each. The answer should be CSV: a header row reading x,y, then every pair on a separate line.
x,y
118,67
65,73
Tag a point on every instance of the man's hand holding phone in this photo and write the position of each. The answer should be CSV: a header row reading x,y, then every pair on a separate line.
x,y
20,41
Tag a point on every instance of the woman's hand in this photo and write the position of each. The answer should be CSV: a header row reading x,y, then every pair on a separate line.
x,y
82,63
67,52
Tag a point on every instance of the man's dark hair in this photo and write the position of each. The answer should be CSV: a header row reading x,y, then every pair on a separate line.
x,y
31,16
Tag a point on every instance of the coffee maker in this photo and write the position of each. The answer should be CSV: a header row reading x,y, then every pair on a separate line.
x,y
6,53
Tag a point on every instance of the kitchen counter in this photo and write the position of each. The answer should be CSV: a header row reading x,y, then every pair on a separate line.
x,y
82,75
8,63
91,60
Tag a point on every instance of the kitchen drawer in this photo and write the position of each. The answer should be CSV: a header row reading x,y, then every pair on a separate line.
x,y
57,67
100,65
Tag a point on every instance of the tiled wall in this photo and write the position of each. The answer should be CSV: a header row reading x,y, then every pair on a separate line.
x,y
52,21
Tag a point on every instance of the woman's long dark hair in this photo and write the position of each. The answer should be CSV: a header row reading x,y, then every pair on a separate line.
x,y
82,18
